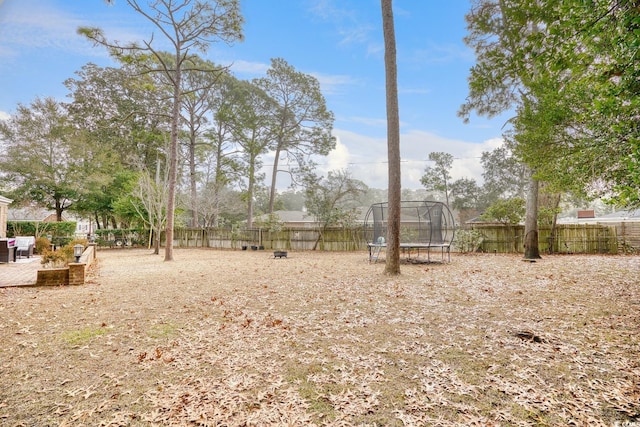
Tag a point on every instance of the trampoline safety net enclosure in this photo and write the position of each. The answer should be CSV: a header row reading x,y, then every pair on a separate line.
x,y
423,225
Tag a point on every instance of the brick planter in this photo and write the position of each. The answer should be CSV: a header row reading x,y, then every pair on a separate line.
x,y
73,274
53,277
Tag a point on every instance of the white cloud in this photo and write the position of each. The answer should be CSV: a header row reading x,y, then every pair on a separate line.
x,y
367,121
6,52
354,34
349,25
326,10
434,53
375,50
416,146
338,158
248,68
25,24
366,157
30,24
414,91
331,84
4,115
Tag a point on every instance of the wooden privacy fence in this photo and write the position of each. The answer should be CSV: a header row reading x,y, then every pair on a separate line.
x,y
332,239
565,238
628,233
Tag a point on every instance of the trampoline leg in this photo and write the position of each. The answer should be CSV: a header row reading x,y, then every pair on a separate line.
x,y
374,253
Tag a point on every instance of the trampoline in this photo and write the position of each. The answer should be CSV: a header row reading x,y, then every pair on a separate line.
x,y
424,226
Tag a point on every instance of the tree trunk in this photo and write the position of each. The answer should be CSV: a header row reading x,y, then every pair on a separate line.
x,y
58,211
156,241
554,223
392,263
218,181
193,181
250,189
274,176
317,242
531,249
173,164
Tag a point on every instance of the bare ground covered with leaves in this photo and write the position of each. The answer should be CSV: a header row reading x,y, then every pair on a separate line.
x,y
235,338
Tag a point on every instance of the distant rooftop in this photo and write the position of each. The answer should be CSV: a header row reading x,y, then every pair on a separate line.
x,y
584,217
624,214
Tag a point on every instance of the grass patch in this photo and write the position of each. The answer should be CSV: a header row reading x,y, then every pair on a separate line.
x,y
163,330
82,336
319,406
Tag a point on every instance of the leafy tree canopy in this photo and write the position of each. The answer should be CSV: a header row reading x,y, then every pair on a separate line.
x,y
506,211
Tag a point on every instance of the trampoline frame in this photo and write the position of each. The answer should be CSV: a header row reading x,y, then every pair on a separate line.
x,y
424,225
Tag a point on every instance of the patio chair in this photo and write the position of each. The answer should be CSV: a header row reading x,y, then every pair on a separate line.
x,y
24,246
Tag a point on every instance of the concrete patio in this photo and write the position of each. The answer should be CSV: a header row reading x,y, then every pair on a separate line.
x,y
23,272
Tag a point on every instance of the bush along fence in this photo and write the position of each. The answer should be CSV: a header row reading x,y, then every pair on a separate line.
x,y
58,233
489,238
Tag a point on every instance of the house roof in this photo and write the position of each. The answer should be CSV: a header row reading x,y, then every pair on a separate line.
x,y
290,216
295,216
302,217
32,214
4,200
624,214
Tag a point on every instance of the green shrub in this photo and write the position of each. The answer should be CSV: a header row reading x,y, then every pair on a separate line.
x,y
109,236
468,240
506,211
39,228
61,241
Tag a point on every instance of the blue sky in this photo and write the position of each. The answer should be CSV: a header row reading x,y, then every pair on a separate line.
x,y
337,41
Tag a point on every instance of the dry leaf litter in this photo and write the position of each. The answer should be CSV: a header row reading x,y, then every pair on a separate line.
x,y
231,338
